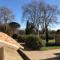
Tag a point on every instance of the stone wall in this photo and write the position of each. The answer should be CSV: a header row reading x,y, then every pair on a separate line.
x,y
57,38
1,53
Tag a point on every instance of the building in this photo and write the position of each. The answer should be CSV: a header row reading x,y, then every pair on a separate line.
x,y
8,48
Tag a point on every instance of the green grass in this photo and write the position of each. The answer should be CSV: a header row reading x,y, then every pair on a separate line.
x,y
46,47
51,41
50,47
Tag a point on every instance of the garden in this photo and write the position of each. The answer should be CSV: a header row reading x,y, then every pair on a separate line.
x,y
35,42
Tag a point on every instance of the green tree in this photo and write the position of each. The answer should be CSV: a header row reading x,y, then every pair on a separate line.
x,y
14,26
30,28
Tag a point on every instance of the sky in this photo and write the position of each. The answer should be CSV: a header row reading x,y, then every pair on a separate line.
x,y
16,7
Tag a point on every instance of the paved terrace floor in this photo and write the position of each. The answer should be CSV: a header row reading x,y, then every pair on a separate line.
x,y
44,55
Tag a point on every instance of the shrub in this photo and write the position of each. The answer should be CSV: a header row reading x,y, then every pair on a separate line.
x,y
22,38
34,42
50,36
14,36
44,43
42,37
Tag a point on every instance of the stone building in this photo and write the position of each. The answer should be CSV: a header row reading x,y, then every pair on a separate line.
x,y
8,48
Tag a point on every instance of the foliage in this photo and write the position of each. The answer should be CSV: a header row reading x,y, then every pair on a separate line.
x,y
11,28
30,28
41,14
50,36
14,36
22,38
21,32
2,28
14,25
34,42
42,36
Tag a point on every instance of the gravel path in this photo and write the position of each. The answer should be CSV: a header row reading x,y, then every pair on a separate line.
x,y
44,55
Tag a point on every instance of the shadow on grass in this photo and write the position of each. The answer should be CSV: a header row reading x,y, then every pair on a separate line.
x,y
54,58
51,44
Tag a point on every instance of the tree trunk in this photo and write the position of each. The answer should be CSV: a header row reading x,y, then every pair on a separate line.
x,y
5,28
46,35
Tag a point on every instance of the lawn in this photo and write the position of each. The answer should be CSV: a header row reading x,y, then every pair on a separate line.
x,y
51,45
51,41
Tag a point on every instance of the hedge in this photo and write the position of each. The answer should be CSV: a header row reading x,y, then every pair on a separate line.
x,y
34,42
22,38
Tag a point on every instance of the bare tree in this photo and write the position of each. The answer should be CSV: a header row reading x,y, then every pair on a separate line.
x,y
6,16
30,12
41,14
48,16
